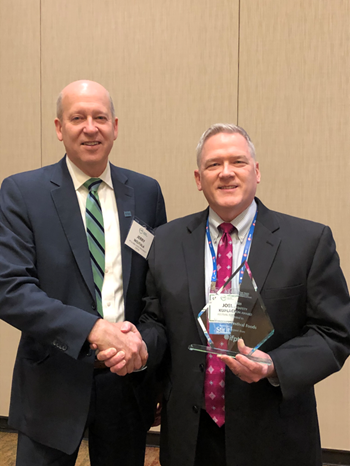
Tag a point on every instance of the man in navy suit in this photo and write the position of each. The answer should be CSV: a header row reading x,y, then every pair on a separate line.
x,y
47,291
268,411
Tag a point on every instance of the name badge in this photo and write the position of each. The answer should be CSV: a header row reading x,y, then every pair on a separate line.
x,y
221,314
140,238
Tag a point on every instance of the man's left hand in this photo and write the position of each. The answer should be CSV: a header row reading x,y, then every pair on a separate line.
x,y
247,370
118,360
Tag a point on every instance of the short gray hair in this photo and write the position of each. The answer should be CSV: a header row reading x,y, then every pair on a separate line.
x,y
223,128
59,108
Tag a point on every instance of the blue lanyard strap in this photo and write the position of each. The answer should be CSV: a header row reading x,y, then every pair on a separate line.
x,y
212,252
245,251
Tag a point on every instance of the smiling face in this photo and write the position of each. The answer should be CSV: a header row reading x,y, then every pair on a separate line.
x,y
228,175
86,126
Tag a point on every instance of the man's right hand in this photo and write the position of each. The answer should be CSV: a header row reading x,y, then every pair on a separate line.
x,y
126,351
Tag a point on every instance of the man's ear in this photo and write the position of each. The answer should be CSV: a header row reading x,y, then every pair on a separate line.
x,y
197,177
115,128
58,127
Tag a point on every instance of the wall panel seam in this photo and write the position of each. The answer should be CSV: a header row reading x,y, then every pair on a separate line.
x,y
238,57
40,82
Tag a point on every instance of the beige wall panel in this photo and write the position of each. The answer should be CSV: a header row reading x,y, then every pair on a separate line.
x,y
294,100
9,338
19,86
171,68
19,126
334,409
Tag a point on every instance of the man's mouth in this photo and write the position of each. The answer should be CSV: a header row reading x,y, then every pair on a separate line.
x,y
91,143
228,187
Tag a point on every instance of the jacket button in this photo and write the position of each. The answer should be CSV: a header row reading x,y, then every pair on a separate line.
x,y
195,409
64,347
93,305
201,367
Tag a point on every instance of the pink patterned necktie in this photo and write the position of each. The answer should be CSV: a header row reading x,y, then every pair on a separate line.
x,y
214,383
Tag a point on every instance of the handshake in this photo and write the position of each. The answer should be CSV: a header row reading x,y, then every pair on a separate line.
x,y
120,346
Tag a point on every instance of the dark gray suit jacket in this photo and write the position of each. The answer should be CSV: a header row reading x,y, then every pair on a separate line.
x,y
296,267
47,292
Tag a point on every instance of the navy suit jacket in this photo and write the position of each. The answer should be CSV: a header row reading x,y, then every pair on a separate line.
x,y
296,268
47,292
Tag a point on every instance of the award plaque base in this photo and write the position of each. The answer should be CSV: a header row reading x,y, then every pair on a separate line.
x,y
225,352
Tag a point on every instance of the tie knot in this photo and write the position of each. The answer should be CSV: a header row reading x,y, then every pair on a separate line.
x,y
93,184
226,227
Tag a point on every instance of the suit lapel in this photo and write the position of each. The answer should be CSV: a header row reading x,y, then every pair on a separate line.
x,y
67,206
193,248
126,210
264,246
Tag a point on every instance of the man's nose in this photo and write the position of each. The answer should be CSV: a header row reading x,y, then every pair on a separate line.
x,y
227,170
90,126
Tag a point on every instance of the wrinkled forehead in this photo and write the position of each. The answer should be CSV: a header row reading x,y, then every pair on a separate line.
x,y
86,102
225,143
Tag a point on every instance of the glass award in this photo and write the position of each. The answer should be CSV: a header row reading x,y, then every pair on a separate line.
x,y
235,311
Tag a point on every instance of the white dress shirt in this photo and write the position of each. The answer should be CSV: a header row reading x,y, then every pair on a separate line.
x,y
239,236
112,289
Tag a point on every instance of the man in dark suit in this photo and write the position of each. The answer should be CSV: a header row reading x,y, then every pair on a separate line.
x,y
270,414
48,291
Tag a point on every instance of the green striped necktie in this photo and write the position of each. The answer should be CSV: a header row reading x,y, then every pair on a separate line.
x,y
96,237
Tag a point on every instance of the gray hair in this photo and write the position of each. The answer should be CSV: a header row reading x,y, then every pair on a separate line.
x,y
223,128
59,108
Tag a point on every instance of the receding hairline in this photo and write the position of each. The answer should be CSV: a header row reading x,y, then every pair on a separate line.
x,y
226,128
59,106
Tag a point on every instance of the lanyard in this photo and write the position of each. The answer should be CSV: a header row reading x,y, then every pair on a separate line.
x,y
245,251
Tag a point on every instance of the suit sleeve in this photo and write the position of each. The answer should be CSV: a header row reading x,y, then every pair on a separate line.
x,y
23,304
152,324
324,343
160,210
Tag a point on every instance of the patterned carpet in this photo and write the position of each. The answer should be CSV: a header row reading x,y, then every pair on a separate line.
x,y
8,442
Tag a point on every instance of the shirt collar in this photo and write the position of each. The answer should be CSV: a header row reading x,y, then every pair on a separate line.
x,y
242,222
79,177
